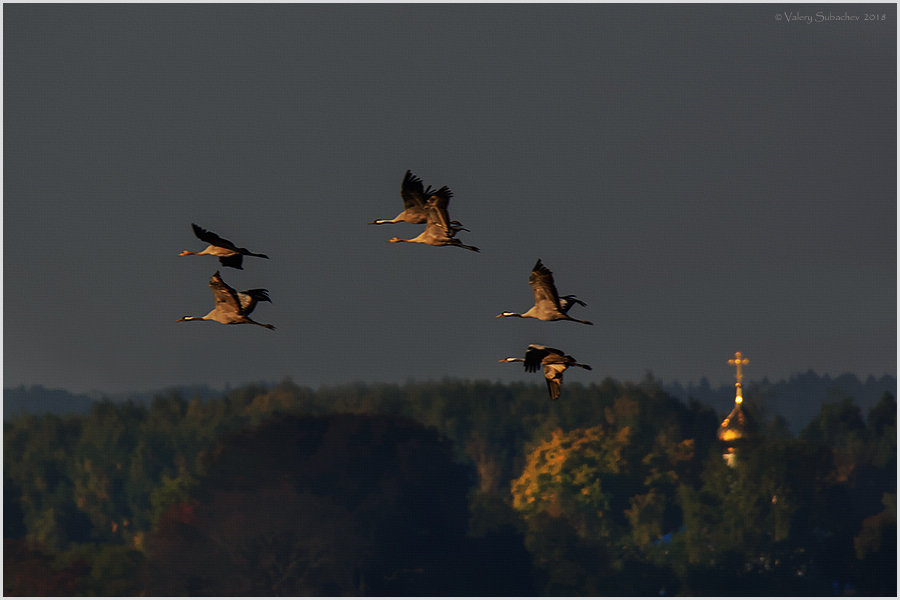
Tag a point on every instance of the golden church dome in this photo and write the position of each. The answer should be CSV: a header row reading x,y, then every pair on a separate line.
x,y
736,425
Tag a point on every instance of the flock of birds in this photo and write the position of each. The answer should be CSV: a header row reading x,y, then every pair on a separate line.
x,y
421,205
231,307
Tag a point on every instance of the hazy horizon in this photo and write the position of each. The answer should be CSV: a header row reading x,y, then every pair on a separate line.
x,y
527,378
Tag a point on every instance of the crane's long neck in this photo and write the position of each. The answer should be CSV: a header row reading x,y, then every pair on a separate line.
x,y
511,359
191,319
510,314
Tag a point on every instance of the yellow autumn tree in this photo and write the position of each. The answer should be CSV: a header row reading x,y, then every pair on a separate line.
x,y
576,475
611,483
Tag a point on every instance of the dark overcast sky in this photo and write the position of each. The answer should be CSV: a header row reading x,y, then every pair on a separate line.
x,y
709,179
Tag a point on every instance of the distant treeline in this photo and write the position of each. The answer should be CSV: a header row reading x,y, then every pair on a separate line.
x,y
797,399
448,488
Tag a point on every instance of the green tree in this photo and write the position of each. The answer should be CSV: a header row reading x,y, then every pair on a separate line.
x,y
840,427
108,438
882,424
607,492
37,459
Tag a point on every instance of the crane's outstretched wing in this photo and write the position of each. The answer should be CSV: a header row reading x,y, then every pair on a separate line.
x,y
226,297
234,261
414,195
229,261
541,281
437,211
553,373
211,238
536,354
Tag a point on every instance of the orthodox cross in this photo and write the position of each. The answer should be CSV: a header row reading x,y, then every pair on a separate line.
x,y
739,361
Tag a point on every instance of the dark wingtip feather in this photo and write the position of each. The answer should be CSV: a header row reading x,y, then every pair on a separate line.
x,y
410,179
442,192
259,294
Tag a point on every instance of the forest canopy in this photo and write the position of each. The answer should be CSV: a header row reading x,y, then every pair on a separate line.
x,y
382,489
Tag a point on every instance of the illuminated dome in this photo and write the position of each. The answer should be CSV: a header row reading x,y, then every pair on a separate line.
x,y
737,425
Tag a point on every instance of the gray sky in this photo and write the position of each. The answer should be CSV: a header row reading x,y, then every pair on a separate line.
x,y
707,178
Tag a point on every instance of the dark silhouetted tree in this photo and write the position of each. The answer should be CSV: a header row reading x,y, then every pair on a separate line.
x,y
339,505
